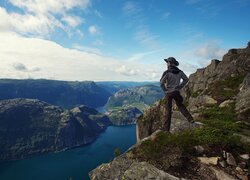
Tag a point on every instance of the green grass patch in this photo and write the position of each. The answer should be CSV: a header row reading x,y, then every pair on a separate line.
x,y
218,132
222,90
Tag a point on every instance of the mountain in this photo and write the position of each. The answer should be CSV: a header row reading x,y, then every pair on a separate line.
x,y
140,97
217,147
62,93
29,127
114,86
124,116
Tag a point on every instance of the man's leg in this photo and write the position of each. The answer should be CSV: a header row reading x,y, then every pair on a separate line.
x,y
179,102
167,121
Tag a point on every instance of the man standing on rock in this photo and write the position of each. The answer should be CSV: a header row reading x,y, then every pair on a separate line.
x,y
171,85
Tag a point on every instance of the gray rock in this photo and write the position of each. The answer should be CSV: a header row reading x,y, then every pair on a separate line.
x,y
123,168
245,156
199,149
242,106
201,101
226,103
145,171
223,163
231,160
243,138
209,160
221,175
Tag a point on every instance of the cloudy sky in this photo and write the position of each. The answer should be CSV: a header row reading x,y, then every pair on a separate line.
x,y
116,40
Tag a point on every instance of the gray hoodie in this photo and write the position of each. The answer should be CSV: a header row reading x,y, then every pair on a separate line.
x,y
171,80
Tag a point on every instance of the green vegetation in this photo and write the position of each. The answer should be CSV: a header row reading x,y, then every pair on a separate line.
x,y
218,133
117,152
222,90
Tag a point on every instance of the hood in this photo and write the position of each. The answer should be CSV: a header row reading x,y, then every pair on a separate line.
x,y
173,69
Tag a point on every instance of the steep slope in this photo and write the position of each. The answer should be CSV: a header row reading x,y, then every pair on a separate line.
x,y
217,96
29,127
61,93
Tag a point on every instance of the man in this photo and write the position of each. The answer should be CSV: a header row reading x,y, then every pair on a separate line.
x,y
171,85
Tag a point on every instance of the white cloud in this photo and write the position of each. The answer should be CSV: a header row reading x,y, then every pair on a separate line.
x,y
39,58
22,67
141,56
210,50
73,21
80,33
127,71
87,49
146,38
49,6
27,23
19,67
40,18
93,30
130,8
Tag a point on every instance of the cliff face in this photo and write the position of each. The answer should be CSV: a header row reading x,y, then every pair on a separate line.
x,y
218,97
124,115
29,127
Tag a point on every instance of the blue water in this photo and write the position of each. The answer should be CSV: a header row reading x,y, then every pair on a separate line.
x,y
73,164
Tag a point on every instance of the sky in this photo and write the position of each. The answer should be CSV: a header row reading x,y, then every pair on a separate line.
x,y
116,40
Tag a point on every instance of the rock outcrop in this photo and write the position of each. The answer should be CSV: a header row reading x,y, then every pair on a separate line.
x,y
225,81
124,168
153,119
29,127
243,100
123,116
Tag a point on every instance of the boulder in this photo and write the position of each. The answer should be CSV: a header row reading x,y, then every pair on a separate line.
x,y
226,103
200,102
124,168
242,106
221,175
209,160
231,160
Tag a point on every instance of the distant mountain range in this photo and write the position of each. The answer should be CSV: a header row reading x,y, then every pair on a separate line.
x,y
114,86
66,94
30,127
126,105
140,97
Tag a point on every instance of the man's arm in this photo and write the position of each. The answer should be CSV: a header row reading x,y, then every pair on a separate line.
x,y
163,81
184,80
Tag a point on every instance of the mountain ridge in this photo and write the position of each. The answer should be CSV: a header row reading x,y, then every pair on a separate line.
x,y
29,127
66,94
